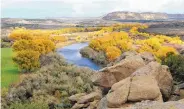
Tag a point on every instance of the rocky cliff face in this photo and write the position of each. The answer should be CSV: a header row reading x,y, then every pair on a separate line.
x,y
122,15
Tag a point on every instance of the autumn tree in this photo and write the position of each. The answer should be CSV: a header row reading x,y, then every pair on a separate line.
x,y
20,33
112,53
27,60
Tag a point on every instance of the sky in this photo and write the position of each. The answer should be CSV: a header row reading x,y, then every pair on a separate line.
x,y
84,8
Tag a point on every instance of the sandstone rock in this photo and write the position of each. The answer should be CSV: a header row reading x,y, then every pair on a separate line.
x,y
90,97
147,57
159,98
103,103
119,95
129,53
125,67
181,101
76,97
158,105
161,74
120,83
110,75
123,56
106,79
176,90
143,88
77,106
126,15
174,98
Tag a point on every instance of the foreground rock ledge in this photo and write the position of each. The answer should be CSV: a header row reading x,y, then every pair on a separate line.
x,y
110,75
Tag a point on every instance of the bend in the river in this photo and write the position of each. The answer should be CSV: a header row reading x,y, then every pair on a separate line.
x,y
72,54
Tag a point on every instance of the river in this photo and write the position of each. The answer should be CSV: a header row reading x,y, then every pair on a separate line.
x,y
72,54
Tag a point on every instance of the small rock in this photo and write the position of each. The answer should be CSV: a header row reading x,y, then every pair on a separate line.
x,y
90,97
76,97
77,106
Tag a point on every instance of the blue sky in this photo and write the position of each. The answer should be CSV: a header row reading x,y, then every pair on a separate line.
x,y
84,8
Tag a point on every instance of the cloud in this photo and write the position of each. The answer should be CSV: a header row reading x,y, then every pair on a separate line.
x,y
92,8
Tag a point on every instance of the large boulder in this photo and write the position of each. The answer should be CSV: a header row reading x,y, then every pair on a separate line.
x,y
110,75
161,74
143,88
119,93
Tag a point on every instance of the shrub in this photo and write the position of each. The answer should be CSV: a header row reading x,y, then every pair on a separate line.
x,y
78,38
164,50
58,39
176,66
52,83
97,57
27,60
5,44
52,58
5,39
29,106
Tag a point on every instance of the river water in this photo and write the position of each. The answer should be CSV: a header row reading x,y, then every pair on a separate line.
x,y
72,55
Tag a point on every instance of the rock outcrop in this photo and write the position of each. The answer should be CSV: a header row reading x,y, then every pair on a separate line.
x,y
161,74
123,15
144,88
134,82
158,105
119,93
133,89
110,75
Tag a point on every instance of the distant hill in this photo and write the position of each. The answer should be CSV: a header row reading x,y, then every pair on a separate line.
x,y
124,15
176,16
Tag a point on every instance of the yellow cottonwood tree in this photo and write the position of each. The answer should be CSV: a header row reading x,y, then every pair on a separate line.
x,y
112,53
27,60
